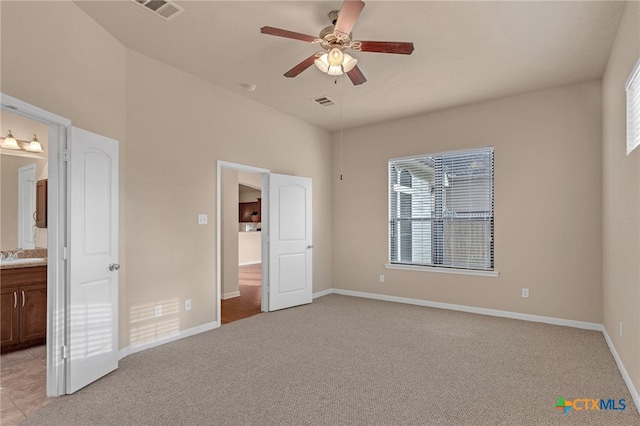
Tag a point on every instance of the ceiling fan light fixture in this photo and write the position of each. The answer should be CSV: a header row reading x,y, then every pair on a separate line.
x,y
323,62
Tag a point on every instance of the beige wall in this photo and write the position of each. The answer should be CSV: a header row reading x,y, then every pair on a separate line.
x,y
621,201
169,256
548,200
249,196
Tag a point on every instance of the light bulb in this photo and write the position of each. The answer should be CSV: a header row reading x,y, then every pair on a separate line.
x,y
335,57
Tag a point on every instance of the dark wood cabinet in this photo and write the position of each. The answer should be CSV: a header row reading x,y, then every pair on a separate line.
x,y
246,210
24,308
41,203
9,333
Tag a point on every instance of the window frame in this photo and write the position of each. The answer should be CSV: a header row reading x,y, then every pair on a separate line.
x,y
394,220
632,92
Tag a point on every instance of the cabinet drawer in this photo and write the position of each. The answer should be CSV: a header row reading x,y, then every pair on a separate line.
x,y
21,276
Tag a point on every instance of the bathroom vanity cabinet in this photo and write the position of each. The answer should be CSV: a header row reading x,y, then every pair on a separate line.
x,y
23,307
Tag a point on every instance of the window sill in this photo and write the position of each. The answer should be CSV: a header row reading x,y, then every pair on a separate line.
x,y
442,270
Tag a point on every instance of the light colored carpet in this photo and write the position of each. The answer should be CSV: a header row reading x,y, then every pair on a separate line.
x,y
344,360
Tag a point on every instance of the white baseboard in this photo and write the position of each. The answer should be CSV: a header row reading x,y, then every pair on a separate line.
x,y
623,371
473,310
230,295
161,341
255,262
323,293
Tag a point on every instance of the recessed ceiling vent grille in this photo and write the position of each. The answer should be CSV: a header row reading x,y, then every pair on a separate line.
x,y
324,101
165,9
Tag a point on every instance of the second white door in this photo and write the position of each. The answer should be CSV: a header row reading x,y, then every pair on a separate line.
x,y
290,241
92,327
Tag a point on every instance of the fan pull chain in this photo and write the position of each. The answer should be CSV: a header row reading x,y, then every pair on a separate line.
x,y
341,87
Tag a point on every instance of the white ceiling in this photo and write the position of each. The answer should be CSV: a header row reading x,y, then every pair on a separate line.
x,y
464,51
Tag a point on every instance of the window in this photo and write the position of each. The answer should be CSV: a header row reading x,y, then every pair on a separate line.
x,y
633,109
441,210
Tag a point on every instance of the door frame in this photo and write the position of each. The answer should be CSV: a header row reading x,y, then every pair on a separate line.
x,y
57,235
263,235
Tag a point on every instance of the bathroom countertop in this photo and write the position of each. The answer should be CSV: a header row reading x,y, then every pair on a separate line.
x,y
38,253
24,264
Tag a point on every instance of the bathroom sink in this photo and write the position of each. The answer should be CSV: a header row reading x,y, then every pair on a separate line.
x,y
23,260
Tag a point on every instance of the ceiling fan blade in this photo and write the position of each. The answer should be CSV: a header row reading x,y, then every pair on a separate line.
x,y
356,76
301,66
386,47
288,34
348,15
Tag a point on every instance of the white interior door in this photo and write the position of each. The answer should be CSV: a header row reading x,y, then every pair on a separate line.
x,y
26,206
290,241
92,339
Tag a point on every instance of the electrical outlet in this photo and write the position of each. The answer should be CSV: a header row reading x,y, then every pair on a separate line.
x,y
202,219
620,329
158,311
381,278
187,305
525,293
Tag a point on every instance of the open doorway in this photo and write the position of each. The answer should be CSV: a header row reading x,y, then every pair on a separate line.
x,y
23,269
242,258
243,299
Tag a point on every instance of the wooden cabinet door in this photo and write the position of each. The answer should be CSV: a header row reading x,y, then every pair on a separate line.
x,y
9,317
33,312
246,209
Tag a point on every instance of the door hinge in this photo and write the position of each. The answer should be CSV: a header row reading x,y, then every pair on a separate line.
x,y
64,155
65,253
64,352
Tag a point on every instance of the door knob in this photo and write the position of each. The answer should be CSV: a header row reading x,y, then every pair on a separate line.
x,y
114,267
310,246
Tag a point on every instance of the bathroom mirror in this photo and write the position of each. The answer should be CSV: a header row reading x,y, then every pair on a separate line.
x,y
10,164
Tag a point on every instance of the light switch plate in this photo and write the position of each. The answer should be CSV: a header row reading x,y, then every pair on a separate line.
x,y
202,219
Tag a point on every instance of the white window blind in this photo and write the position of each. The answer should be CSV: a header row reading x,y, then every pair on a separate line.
x,y
633,109
441,210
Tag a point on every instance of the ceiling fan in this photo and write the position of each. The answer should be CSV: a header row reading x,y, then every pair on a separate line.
x,y
334,40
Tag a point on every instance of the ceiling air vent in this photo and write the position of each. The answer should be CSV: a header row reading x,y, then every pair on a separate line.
x,y
165,9
324,101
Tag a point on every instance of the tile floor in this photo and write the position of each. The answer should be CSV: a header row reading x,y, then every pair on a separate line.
x,y
22,384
